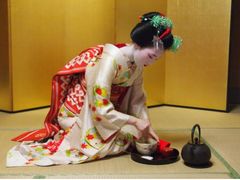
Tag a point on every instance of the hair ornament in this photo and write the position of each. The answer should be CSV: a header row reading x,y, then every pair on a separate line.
x,y
158,21
157,42
164,27
166,32
142,18
177,42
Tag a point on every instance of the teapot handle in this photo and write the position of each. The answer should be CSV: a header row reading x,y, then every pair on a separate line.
x,y
193,131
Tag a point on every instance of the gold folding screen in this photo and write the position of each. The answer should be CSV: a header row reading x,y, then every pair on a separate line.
x,y
44,35
127,13
197,75
40,36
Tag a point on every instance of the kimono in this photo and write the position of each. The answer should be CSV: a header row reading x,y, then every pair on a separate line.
x,y
93,97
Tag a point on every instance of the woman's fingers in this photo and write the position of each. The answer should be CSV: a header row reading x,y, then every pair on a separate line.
x,y
153,134
142,125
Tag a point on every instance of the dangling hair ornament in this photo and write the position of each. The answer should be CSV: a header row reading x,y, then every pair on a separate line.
x,y
157,42
161,22
165,23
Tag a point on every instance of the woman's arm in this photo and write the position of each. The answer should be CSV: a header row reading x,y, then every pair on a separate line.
x,y
106,119
137,106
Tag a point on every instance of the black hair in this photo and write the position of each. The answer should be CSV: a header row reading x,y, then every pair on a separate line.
x,y
142,34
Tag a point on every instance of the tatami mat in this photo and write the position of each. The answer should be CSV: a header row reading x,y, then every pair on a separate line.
x,y
226,142
115,166
27,120
219,129
181,118
163,117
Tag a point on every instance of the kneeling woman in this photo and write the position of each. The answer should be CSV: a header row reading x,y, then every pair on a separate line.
x,y
98,104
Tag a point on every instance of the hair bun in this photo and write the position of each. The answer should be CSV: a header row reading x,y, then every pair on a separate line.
x,y
150,26
153,24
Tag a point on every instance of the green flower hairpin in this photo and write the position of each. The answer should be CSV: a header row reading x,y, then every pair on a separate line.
x,y
162,22
158,21
177,42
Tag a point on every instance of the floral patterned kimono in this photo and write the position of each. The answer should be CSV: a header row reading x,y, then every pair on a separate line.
x,y
93,97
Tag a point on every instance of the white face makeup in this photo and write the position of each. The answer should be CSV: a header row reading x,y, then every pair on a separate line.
x,y
147,55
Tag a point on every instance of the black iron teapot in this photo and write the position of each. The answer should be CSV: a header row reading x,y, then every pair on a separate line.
x,y
196,153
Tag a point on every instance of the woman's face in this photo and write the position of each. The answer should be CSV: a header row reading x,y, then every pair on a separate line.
x,y
147,55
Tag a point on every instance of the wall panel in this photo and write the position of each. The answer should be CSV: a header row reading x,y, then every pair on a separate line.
x,y
40,36
197,75
5,61
127,13
47,34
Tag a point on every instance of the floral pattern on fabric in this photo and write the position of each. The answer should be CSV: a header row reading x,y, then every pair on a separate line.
x,y
124,74
93,61
124,139
75,154
64,112
53,145
35,154
100,96
94,116
94,139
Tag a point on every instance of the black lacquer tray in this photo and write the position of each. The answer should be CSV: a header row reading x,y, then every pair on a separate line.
x,y
157,158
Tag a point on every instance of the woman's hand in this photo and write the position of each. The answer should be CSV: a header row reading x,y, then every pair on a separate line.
x,y
149,132
144,127
153,134
141,125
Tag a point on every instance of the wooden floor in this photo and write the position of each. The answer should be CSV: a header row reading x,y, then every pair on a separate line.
x,y
220,130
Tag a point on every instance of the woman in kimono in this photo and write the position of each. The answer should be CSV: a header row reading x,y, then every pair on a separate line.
x,y
98,106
